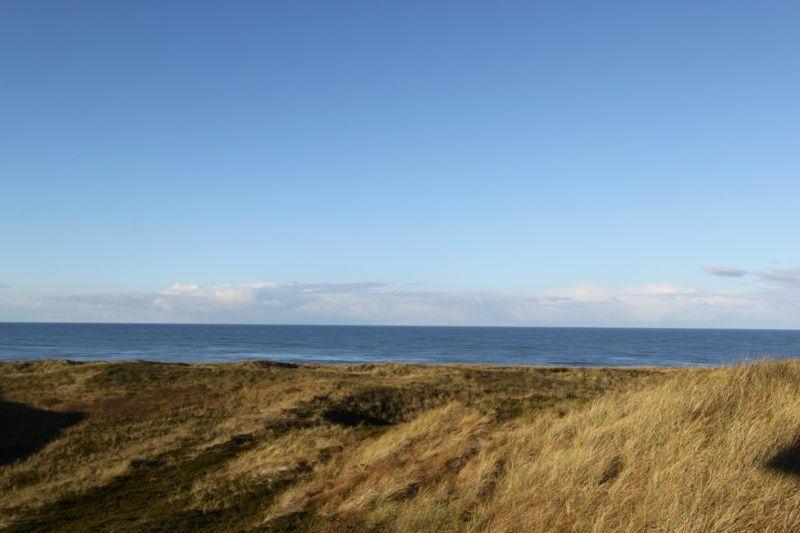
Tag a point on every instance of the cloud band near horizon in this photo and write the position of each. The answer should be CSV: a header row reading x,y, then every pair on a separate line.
x,y
773,303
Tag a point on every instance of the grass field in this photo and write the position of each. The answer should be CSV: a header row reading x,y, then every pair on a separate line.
x,y
264,446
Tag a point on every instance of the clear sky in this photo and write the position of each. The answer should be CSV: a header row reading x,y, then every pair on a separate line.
x,y
520,163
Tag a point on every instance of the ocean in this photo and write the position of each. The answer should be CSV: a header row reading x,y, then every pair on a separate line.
x,y
362,344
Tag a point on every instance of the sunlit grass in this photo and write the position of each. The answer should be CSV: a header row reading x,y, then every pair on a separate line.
x,y
402,447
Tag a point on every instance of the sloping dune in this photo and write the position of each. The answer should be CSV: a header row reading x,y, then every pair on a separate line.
x,y
260,446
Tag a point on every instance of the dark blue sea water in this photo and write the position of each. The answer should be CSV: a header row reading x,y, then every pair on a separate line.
x,y
348,344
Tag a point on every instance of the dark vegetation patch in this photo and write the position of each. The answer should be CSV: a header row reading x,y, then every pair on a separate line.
x,y
144,498
144,374
24,430
374,406
788,460
508,408
261,364
612,471
281,426
136,404
306,521
38,366
296,521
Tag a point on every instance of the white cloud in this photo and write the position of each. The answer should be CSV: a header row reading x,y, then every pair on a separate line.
x,y
196,299
659,289
653,304
579,293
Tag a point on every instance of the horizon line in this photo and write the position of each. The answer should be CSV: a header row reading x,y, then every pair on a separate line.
x,y
452,326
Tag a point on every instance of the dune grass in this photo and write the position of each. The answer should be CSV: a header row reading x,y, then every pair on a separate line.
x,y
261,446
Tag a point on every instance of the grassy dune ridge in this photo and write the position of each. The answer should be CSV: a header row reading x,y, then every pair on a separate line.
x,y
265,446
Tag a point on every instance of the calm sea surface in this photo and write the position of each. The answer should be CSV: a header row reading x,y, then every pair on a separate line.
x,y
347,344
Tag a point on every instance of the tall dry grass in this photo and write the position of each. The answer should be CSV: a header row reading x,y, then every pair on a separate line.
x,y
409,448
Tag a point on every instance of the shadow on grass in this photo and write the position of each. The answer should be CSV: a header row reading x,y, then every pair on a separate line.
x,y
24,430
155,495
788,460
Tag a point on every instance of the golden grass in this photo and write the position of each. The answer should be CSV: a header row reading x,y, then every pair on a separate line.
x,y
257,446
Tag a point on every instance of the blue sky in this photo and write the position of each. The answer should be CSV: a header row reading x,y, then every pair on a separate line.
x,y
407,162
